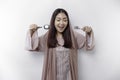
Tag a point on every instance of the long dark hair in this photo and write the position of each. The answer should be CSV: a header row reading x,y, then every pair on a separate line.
x,y
52,41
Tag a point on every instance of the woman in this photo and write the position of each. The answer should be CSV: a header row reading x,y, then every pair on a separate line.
x,y
60,45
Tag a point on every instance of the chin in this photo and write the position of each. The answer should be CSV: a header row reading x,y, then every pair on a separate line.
x,y
61,31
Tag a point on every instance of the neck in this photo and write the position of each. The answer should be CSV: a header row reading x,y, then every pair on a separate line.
x,y
59,35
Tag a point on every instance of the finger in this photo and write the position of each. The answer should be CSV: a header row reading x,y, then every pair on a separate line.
x,y
83,28
33,26
90,29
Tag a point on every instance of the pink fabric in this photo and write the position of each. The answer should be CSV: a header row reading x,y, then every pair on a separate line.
x,y
62,63
36,43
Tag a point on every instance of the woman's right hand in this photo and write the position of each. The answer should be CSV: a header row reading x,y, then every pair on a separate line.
x,y
33,28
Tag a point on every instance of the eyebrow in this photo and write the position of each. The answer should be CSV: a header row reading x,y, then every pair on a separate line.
x,y
60,18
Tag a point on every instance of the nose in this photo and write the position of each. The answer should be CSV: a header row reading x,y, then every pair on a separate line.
x,y
61,22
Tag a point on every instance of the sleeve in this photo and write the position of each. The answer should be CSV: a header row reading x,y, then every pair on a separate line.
x,y
34,43
90,43
85,40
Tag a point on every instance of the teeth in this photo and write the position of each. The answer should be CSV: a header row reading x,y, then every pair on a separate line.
x,y
61,27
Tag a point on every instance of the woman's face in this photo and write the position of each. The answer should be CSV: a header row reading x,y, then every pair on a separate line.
x,y
61,22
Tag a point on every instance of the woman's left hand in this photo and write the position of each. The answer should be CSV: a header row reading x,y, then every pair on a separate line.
x,y
87,29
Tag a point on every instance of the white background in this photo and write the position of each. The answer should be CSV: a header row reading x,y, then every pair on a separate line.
x,y
103,63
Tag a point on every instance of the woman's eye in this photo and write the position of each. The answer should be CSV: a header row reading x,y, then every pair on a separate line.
x,y
58,20
65,20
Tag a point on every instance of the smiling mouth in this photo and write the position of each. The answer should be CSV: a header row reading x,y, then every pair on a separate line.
x,y
60,27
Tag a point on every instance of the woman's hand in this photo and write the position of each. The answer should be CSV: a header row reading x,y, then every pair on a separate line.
x,y
33,27
87,29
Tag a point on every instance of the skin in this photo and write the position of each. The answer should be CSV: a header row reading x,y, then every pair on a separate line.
x,y
60,25
87,29
33,28
61,22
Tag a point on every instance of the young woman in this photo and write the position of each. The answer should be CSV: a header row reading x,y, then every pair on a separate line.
x,y
60,45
